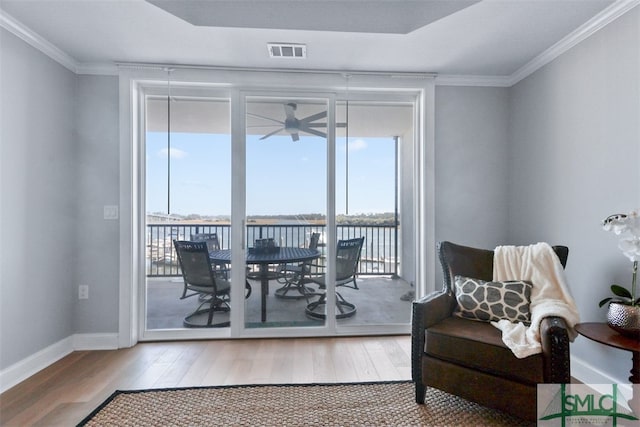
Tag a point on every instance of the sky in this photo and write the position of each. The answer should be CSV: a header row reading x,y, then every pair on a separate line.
x,y
283,177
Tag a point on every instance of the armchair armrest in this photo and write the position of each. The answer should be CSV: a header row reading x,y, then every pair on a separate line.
x,y
554,338
426,311
433,308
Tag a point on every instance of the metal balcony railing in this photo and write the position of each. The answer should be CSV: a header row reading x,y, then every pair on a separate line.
x,y
379,253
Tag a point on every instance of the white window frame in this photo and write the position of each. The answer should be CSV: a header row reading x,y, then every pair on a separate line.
x,y
134,78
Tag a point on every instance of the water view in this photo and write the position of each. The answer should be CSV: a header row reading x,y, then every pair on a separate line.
x,y
378,254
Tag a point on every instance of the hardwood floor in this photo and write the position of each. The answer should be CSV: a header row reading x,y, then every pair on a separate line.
x,y
67,391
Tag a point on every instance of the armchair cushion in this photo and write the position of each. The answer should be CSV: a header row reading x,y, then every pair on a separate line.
x,y
493,301
479,346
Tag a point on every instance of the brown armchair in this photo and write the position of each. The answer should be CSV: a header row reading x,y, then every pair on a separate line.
x,y
467,358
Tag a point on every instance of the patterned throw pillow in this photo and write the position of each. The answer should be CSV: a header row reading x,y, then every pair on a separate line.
x,y
493,301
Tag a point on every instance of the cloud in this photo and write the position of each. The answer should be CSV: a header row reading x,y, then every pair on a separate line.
x,y
176,153
357,145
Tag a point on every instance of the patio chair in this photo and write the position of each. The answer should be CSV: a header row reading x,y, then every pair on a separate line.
x,y
294,276
201,279
467,357
213,244
347,259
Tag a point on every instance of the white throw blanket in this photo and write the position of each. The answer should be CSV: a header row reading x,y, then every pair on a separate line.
x,y
550,295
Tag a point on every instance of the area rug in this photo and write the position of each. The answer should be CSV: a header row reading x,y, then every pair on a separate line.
x,y
352,404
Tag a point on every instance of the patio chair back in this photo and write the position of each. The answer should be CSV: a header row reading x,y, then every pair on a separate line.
x,y
196,268
213,243
314,240
347,258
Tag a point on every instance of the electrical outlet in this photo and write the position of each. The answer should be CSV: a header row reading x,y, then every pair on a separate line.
x,y
83,292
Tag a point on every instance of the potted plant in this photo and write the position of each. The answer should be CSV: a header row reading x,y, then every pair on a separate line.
x,y
624,308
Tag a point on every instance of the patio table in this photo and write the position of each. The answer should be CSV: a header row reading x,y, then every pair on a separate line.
x,y
283,255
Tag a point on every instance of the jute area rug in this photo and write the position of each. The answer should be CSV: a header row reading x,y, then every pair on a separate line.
x,y
353,404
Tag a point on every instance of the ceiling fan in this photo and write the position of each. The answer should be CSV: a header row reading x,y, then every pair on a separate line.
x,y
294,126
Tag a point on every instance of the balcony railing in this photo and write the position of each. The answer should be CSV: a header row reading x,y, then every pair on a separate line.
x,y
379,253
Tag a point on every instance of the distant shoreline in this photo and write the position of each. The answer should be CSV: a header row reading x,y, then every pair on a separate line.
x,y
308,219
260,221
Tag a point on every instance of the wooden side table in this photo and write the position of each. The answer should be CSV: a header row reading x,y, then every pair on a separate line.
x,y
602,333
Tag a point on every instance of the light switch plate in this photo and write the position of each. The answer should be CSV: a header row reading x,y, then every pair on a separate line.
x,y
110,212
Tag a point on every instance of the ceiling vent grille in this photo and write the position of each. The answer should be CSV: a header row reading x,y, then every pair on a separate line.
x,y
287,50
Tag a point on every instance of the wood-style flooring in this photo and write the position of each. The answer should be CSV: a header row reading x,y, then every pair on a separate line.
x,y
67,391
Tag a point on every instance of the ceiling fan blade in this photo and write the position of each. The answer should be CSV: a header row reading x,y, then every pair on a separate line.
x,y
271,134
314,117
313,132
264,118
290,110
321,125
295,136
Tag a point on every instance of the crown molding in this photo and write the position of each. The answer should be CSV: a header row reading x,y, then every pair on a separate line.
x,y
96,68
604,18
471,80
15,27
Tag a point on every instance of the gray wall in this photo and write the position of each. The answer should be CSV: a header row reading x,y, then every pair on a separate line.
x,y
98,185
575,159
60,166
471,167
38,201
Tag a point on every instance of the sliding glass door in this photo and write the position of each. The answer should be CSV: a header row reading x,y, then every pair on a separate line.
x,y
373,202
279,186
286,207
188,198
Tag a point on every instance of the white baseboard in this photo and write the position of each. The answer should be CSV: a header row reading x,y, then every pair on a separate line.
x,y
95,341
31,365
588,374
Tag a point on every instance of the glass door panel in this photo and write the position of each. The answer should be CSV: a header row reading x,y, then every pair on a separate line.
x,y
374,202
286,197
188,198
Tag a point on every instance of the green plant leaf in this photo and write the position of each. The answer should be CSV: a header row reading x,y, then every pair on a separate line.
x,y
620,291
604,301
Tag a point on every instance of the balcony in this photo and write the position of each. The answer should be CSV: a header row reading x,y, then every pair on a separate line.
x,y
379,299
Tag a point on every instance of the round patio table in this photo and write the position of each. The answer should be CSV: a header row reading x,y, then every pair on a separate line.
x,y
283,255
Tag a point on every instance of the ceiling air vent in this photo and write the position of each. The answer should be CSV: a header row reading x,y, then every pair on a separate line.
x,y
287,50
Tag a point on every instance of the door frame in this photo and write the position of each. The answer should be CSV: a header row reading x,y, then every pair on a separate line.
x,y
133,79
